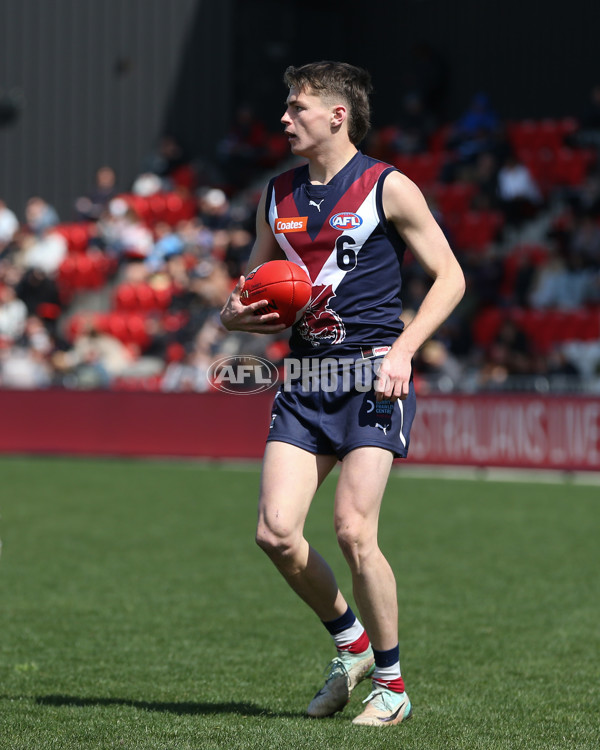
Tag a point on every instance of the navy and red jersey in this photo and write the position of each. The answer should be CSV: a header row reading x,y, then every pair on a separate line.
x,y
339,235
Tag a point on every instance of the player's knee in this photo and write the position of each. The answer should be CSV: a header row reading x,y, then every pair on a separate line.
x,y
356,544
276,542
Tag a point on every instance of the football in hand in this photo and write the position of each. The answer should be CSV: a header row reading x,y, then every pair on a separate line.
x,y
286,287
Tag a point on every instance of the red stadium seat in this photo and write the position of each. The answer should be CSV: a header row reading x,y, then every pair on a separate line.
x,y
453,199
139,205
77,235
439,139
136,330
125,297
475,230
145,297
179,209
522,135
486,325
546,134
162,297
571,166
424,169
116,325
158,208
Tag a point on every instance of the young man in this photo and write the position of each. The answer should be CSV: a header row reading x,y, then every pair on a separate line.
x,y
353,217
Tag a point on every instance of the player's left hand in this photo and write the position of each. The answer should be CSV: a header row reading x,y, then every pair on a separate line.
x,y
393,378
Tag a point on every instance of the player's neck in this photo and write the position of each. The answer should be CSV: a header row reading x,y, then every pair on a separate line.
x,y
324,166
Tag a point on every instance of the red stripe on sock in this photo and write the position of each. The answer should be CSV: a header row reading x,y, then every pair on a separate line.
x,y
358,646
396,686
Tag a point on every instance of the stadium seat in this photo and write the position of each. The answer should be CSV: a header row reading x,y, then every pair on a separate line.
x,y
142,296
439,139
486,325
136,330
145,297
139,205
541,165
424,169
475,230
454,198
535,135
77,235
179,208
571,166
519,257
125,297
162,297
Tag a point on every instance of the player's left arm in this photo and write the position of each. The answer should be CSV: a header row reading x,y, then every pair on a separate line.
x,y
405,206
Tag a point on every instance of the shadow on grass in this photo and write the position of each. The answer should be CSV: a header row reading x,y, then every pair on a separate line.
x,y
184,708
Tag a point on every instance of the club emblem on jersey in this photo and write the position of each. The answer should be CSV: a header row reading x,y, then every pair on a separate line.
x,y
345,220
320,323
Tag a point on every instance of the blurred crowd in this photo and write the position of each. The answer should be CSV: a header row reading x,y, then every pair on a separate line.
x,y
126,291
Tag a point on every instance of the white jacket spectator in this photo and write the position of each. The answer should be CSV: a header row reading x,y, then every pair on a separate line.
x,y
8,224
13,314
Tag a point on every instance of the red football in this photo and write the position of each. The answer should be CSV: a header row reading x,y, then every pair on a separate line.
x,y
285,286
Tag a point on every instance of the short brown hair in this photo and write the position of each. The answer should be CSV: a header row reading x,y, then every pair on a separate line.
x,y
337,79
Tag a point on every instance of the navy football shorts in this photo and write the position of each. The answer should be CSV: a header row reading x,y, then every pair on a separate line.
x,y
335,413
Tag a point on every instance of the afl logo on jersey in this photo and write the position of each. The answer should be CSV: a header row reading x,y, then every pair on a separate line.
x,y
345,220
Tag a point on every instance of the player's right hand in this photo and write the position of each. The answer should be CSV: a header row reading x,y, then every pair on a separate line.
x,y
236,316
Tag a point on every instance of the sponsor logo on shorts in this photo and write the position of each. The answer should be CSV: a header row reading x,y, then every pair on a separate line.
x,y
295,224
345,220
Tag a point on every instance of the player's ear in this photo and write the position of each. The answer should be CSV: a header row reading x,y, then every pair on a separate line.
x,y
338,115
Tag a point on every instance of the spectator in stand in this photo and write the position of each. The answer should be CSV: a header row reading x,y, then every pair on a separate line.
x,y
196,237
13,314
147,184
35,336
44,251
37,288
485,178
519,194
434,360
480,117
168,243
24,369
477,131
191,372
123,234
214,209
40,216
562,283
585,240
510,353
25,357
91,206
9,225
238,251
94,360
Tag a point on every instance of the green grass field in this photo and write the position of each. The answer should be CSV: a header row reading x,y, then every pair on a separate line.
x,y
136,612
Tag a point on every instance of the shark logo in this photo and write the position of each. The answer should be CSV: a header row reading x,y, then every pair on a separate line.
x,y
316,205
320,323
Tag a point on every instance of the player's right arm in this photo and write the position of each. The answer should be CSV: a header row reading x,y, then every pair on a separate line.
x,y
238,317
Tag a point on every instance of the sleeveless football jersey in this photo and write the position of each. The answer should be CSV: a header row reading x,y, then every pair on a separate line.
x,y
339,235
